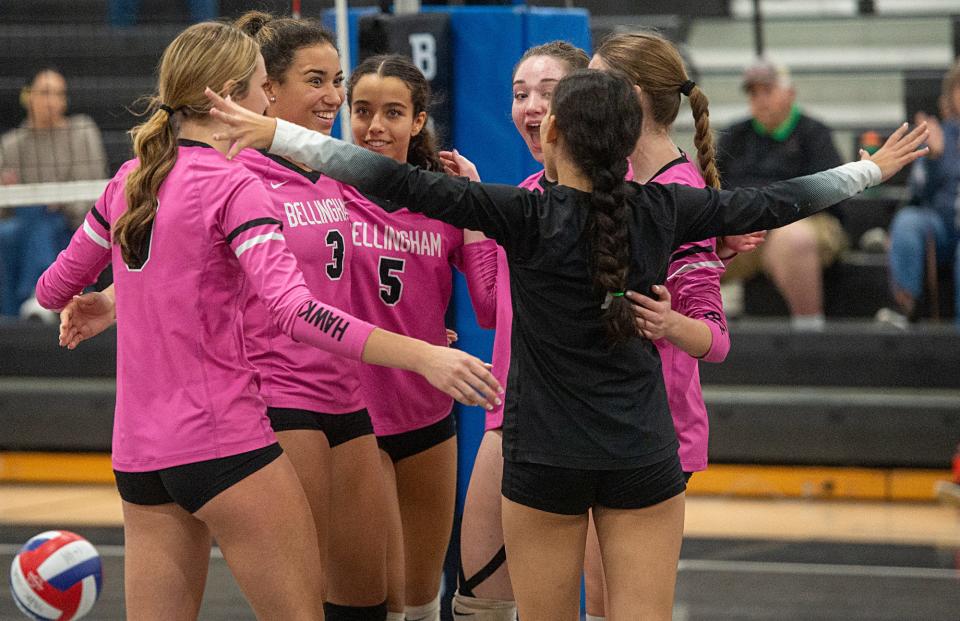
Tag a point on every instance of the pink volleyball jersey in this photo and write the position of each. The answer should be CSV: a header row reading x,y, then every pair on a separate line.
x,y
693,280
401,281
316,227
489,283
185,390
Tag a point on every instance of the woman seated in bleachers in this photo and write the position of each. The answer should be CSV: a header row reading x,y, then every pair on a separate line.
x,y
932,216
48,147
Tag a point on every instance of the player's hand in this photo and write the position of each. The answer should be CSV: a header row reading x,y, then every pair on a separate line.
x,y
935,141
244,127
456,165
740,244
900,149
462,376
452,337
84,317
652,316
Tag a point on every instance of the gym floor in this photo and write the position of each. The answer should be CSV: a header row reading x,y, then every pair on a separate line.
x,y
742,558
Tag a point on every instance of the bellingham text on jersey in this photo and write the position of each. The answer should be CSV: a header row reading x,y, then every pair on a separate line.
x,y
324,211
385,237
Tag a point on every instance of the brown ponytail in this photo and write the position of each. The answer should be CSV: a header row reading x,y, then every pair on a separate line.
x,y
155,145
207,53
703,139
655,65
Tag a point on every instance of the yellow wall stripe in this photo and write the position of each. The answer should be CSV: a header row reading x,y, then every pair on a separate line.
x,y
818,482
719,479
55,468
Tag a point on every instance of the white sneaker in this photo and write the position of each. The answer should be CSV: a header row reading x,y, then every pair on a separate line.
x,y
891,317
32,311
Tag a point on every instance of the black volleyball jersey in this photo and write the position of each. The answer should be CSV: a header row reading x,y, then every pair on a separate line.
x,y
573,400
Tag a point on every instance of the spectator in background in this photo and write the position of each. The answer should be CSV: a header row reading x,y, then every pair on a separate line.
x,y
778,142
933,213
124,13
49,146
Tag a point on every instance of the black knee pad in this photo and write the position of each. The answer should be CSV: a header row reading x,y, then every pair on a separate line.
x,y
336,612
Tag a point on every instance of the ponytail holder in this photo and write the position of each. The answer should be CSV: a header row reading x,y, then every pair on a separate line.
x,y
167,109
609,299
687,87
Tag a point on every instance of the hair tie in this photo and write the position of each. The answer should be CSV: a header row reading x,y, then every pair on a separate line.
x,y
167,109
609,299
687,87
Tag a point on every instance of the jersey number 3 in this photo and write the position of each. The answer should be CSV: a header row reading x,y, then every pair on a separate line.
x,y
335,241
391,287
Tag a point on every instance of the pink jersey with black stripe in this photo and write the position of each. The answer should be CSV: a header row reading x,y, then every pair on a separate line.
x,y
401,279
491,280
316,226
693,279
185,390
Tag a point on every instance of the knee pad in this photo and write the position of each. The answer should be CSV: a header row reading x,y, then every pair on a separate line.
x,y
590,617
479,609
336,612
427,612
395,616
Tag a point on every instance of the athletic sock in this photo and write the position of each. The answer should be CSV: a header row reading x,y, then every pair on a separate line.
x,y
427,612
479,609
591,617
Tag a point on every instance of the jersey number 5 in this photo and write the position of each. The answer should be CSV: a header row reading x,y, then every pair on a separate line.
x,y
335,241
391,287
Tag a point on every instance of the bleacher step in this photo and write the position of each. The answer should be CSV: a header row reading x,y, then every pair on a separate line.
x,y
749,424
846,353
833,426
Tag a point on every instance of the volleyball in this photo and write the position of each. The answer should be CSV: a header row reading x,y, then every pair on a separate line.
x,y
57,576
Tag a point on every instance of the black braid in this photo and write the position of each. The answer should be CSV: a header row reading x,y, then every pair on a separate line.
x,y
598,119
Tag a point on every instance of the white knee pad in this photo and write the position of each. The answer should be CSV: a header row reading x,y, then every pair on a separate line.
x,y
395,616
590,617
479,609
427,612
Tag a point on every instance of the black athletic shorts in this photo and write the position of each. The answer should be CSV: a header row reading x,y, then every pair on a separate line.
x,y
402,445
571,491
193,485
338,428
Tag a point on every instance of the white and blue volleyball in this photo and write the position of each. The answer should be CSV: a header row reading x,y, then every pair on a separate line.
x,y
57,575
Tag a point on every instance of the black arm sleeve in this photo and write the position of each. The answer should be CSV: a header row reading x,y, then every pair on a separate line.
x,y
508,214
703,213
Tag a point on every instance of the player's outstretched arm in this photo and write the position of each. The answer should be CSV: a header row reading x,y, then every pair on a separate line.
x,y
703,213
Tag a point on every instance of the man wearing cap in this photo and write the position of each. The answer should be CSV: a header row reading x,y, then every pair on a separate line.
x,y
778,142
